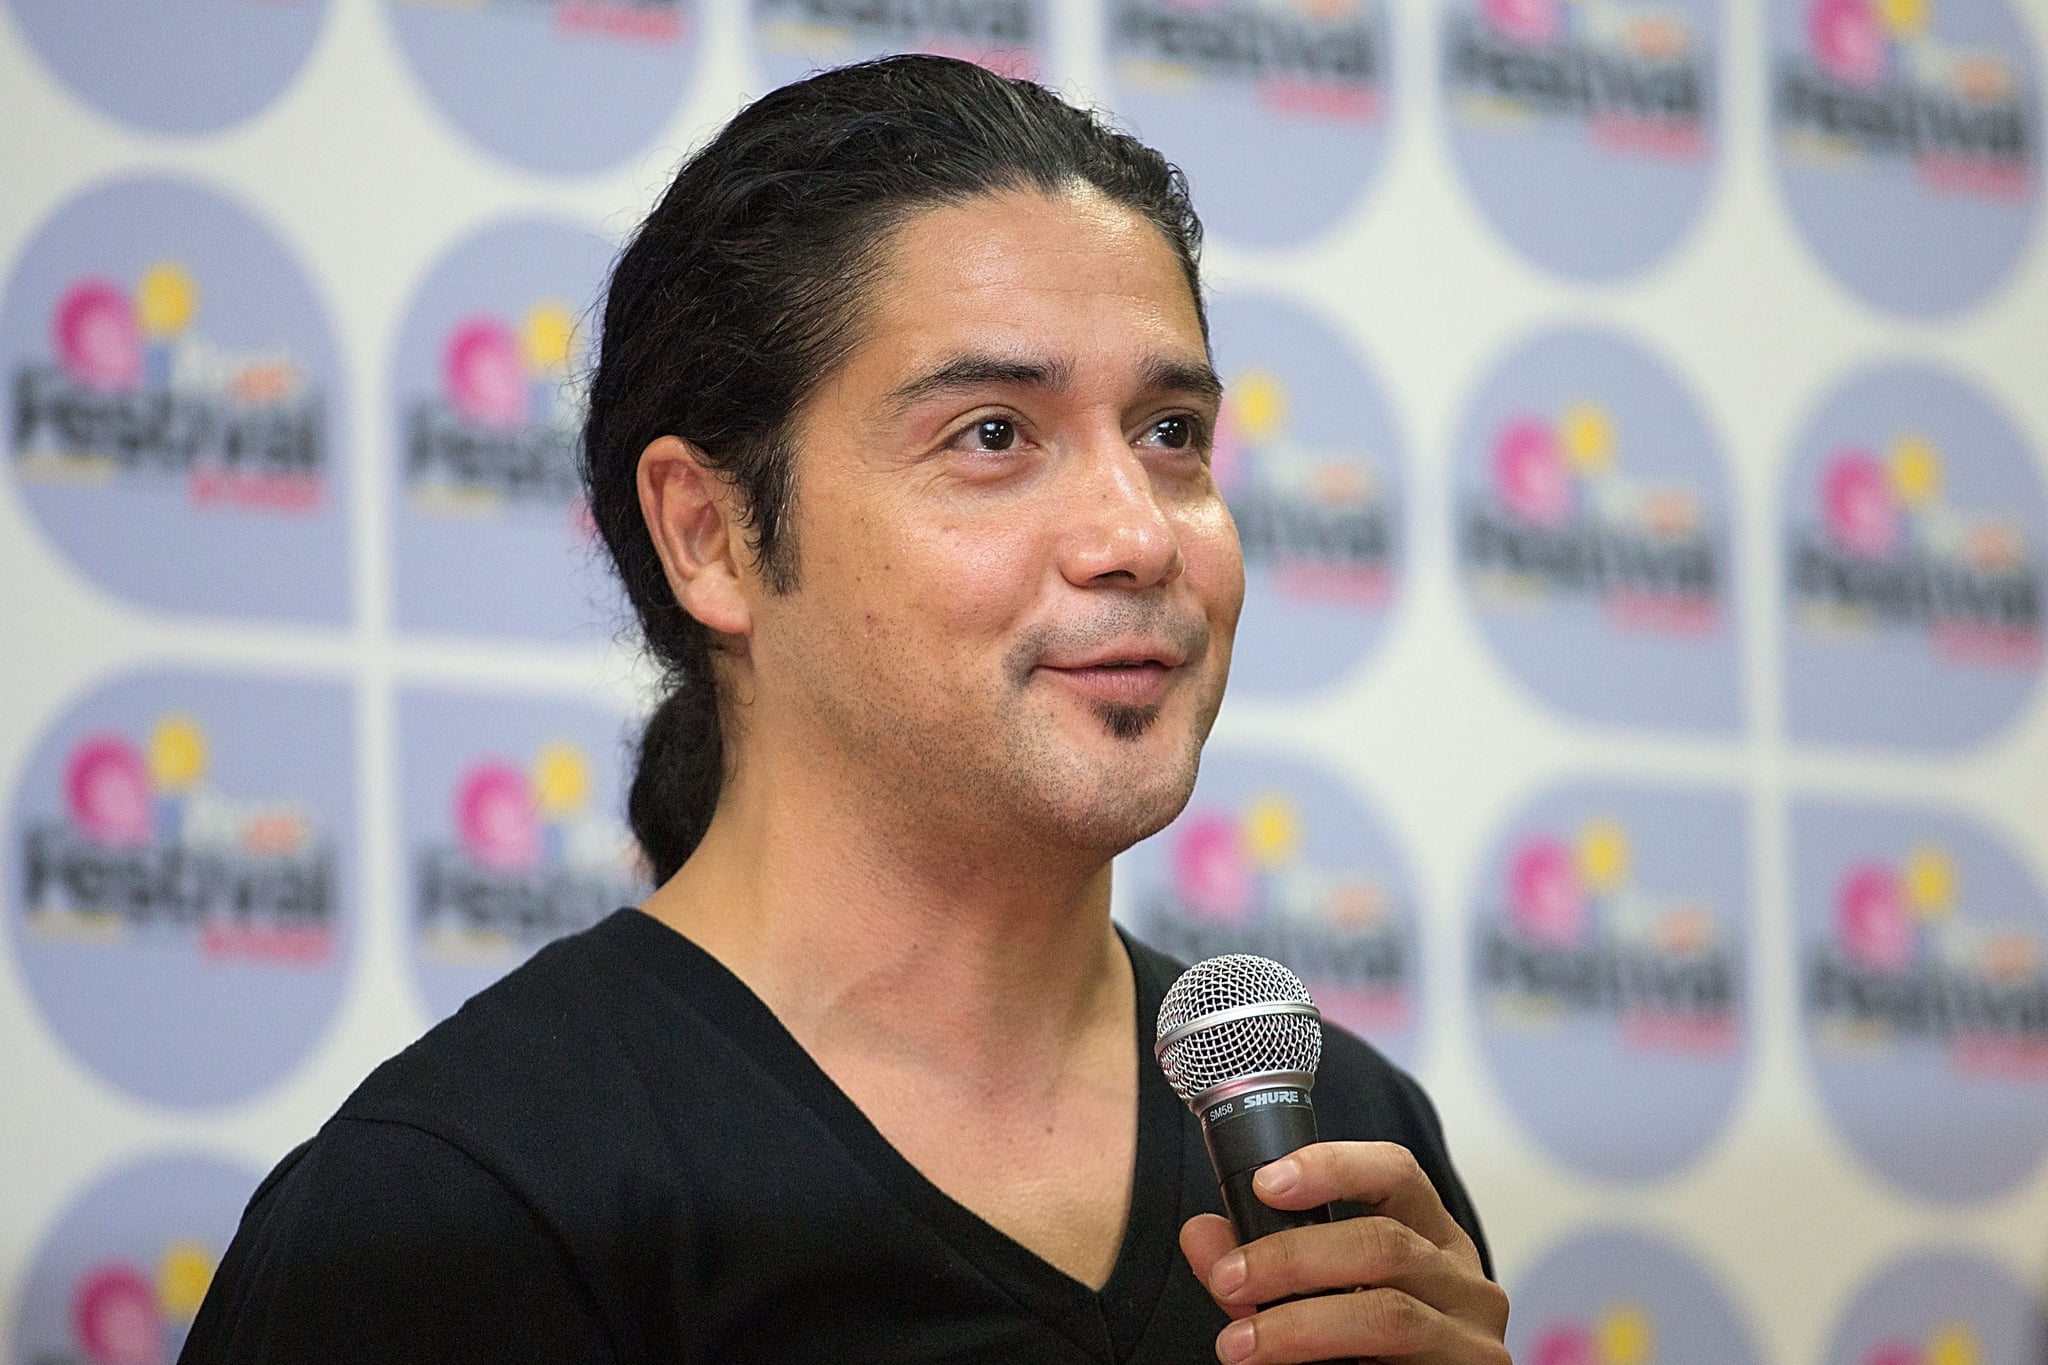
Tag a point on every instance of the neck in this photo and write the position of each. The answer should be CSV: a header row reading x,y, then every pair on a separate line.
x,y
906,936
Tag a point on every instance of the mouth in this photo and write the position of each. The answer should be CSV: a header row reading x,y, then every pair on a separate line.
x,y
1125,681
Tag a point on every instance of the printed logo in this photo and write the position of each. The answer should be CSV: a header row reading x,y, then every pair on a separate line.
x,y
1276,109
1907,143
1610,974
146,848
1914,579
172,406
797,37
134,390
200,66
1585,129
619,64
1282,861
1940,1308
507,422
121,1276
1594,535
1308,460
493,535
174,848
510,833
1608,1297
1925,994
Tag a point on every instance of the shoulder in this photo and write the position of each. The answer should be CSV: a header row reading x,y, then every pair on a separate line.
x,y
377,1241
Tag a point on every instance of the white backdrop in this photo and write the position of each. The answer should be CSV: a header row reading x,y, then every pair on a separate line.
x,y
1441,711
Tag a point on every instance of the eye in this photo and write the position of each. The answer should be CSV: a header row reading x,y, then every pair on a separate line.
x,y
1175,433
992,433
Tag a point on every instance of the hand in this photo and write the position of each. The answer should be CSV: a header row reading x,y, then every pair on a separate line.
x,y
1421,1295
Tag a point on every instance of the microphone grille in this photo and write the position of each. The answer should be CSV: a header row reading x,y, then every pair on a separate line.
x,y
1247,1043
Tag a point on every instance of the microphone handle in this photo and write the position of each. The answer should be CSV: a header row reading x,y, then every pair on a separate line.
x,y
1252,1130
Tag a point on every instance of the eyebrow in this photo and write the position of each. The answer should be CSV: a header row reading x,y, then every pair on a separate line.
x,y
979,370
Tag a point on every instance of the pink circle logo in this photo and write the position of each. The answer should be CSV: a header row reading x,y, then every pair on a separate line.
x,y
1856,499
1526,21
1210,874
1546,904
106,790
485,374
1567,1345
97,342
1529,473
1848,41
115,1316
495,815
1871,918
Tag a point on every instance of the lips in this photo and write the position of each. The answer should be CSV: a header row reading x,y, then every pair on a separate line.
x,y
1124,680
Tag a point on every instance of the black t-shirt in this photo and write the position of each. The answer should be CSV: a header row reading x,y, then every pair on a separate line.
x,y
618,1154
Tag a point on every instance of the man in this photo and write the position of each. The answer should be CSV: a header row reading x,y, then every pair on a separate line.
x,y
899,437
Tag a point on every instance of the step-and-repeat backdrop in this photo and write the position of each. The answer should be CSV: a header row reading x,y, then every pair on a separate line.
x,y
1638,430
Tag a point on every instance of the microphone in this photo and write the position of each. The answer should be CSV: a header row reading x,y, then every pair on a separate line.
x,y
1239,1040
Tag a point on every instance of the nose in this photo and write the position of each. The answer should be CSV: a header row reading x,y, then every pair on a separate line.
x,y
1118,534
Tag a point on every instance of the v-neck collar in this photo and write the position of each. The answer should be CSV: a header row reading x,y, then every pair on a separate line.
x,y
1107,1324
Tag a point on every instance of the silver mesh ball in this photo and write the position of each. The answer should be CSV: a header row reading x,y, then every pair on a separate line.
x,y
1252,1045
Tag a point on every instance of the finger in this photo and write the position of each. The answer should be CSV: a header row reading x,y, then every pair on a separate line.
x,y
1205,1240
1377,1252
1384,1176
1373,1323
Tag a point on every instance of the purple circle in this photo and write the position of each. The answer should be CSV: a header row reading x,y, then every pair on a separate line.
x,y
1588,135
492,533
1310,461
1610,973
1280,859
117,1277
199,965
1623,1287
1923,949
511,832
1280,114
1595,534
173,66
1916,565
1911,160
176,420
562,87
793,38
1929,1299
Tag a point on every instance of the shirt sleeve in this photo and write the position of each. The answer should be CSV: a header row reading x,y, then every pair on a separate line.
x,y
378,1242
1433,1154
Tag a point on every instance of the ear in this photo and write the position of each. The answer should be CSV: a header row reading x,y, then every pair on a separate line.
x,y
693,514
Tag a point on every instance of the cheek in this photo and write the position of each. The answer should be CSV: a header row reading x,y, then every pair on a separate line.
x,y
1214,564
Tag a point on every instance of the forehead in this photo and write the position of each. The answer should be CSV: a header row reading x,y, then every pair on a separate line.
x,y
1072,278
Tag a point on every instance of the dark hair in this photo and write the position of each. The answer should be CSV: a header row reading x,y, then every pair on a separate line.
x,y
742,292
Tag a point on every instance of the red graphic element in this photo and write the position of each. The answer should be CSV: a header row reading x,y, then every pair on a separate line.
x,y
1871,919
1570,1344
1336,103
94,331
1848,40
285,493
106,789
1856,501
634,22
1632,609
1689,1035
1526,21
2000,1057
1529,474
296,947
494,814
114,1314
1364,585
1893,1353
1546,904
1662,138
485,375
1209,871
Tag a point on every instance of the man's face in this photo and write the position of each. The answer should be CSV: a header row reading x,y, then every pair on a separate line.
x,y
1017,581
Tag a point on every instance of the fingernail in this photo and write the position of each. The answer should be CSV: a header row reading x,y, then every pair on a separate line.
x,y
1227,1276
1279,1177
1237,1341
